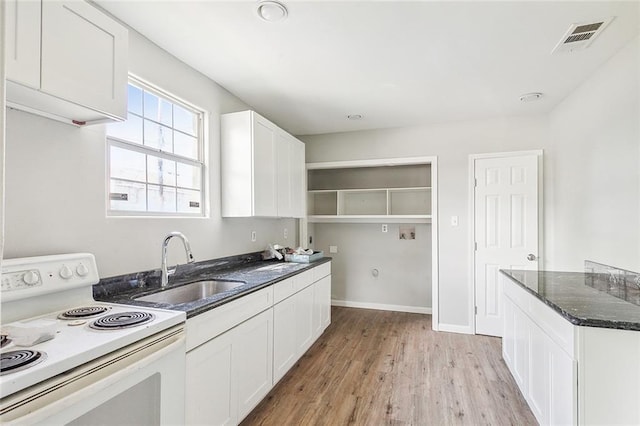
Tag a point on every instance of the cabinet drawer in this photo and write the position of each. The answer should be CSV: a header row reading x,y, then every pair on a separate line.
x,y
284,289
554,325
304,280
210,324
321,271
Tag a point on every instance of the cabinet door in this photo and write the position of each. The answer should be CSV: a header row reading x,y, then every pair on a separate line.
x,y
210,388
324,287
84,56
285,349
265,201
298,179
304,319
539,384
521,349
563,387
253,361
284,173
22,43
508,336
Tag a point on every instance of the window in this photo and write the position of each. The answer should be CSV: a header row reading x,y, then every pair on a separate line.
x,y
155,157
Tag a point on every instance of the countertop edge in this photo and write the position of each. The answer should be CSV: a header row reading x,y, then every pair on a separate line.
x,y
191,311
577,321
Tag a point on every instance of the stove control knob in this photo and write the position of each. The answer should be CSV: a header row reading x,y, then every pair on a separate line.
x,y
31,278
82,270
66,272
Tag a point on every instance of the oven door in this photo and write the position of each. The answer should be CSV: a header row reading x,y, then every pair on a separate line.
x,y
142,384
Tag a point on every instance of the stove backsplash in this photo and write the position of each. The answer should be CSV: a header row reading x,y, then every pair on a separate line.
x,y
615,281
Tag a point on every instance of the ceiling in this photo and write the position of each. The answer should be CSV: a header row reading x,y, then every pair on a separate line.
x,y
395,63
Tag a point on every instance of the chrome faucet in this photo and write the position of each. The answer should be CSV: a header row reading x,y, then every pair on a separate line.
x,y
187,248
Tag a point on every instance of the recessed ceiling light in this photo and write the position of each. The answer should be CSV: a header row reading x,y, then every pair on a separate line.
x,y
272,11
354,116
530,97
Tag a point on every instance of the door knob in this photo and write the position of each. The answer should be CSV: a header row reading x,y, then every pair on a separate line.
x,y
531,257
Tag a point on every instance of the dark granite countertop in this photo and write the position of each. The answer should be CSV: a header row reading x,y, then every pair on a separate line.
x,y
250,269
589,299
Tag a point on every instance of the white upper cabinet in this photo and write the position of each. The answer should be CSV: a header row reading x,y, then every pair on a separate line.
x,y
67,61
23,41
262,168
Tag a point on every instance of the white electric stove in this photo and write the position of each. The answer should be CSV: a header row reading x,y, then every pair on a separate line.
x,y
53,334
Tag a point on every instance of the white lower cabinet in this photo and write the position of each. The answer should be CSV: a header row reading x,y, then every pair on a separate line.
x,y
209,386
229,375
237,352
304,319
285,345
543,366
253,361
299,320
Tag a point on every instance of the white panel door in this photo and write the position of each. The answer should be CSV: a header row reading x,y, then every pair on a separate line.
x,y
506,230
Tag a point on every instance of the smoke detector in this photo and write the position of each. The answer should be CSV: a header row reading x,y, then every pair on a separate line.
x,y
271,11
580,36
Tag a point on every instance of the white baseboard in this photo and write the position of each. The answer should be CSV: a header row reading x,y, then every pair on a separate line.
x,y
452,328
381,307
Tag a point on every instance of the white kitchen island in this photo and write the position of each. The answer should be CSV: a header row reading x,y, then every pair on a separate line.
x,y
572,343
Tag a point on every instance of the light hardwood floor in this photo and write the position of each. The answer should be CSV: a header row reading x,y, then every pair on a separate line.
x,y
389,368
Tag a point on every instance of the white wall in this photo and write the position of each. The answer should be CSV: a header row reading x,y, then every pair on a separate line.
x,y
2,130
591,182
451,143
595,211
404,266
55,185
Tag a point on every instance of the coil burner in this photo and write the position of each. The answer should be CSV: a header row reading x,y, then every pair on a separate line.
x,y
13,361
84,312
4,340
121,320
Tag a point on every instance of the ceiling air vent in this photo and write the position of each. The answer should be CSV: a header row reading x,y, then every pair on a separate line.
x,y
580,36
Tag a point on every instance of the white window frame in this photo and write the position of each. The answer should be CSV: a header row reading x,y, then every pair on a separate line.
x,y
143,149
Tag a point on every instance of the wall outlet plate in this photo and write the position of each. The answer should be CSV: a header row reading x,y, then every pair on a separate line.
x,y
333,249
385,228
253,236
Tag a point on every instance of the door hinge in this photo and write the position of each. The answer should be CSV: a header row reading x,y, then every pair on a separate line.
x,y
475,246
475,182
475,310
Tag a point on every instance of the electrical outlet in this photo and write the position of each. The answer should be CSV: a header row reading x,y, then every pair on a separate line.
x,y
385,228
333,249
253,236
286,234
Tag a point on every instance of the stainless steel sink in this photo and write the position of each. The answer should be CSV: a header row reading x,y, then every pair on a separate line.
x,y
190,292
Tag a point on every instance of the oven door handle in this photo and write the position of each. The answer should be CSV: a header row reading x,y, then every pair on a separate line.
x,y
94,383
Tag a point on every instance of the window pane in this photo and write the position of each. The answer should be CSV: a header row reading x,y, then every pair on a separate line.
x,y
189,176
185,145
157,136
157,109
135,99
162,199
161,171
189,201
128,196
129,130
185,120
126,164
